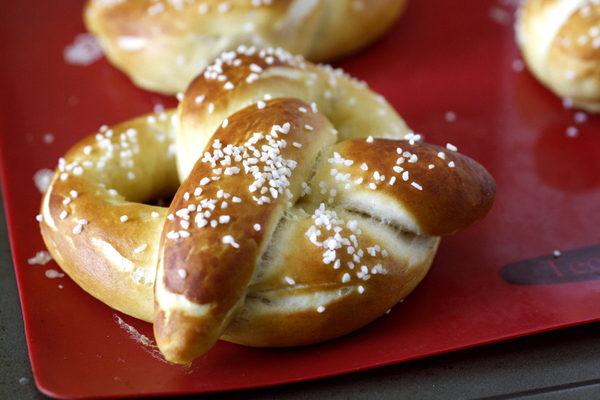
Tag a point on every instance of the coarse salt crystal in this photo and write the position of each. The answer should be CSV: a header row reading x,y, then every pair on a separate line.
x,y
556,253
572,131
52,273
228,239
41,257
289,280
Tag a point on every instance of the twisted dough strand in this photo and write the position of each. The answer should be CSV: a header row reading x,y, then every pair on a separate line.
x,y
226,217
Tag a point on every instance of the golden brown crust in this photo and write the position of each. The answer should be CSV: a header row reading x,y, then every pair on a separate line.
x,y
163,44
560,42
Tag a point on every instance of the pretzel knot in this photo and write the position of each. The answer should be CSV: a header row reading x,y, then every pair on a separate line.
x,y
288,228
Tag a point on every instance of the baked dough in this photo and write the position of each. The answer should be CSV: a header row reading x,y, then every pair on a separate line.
x,y
560,43
286,230
163,44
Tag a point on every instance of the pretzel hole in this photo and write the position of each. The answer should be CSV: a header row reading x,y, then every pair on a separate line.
x,y
160,200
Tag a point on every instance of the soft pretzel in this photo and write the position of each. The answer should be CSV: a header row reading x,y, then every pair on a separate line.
x,y
560,43
163,44
287,229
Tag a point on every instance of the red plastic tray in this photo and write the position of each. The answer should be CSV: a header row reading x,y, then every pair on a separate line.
x,y
453,71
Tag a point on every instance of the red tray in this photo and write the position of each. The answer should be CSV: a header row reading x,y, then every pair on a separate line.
x,y
453,71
